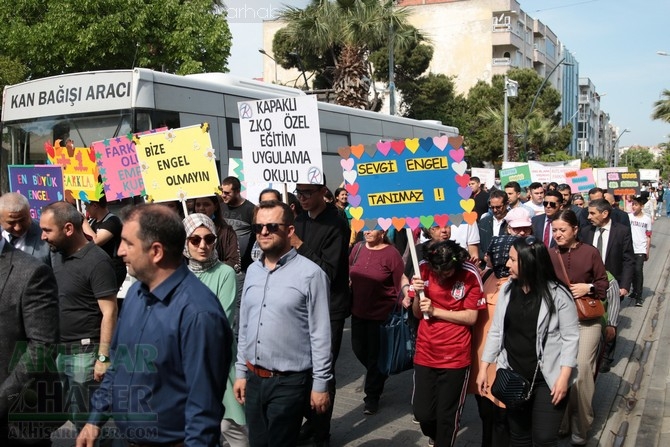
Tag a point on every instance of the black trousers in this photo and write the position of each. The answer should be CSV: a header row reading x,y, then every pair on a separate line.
x,y
365,344
495,428
536,423
638,277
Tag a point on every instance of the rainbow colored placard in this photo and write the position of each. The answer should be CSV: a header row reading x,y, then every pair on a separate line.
x,y
580,181
178,164
118,166
407,183
40,184
80,171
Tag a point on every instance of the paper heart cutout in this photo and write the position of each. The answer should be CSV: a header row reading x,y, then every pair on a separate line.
x,y
352,189
457,154
50,151
468,205
464,193
441,220
356,212
384,147
456,142
358,150
350,176
347,164
426,143
456,219
441,142
470,217
371,150
413,222
370,224
357,225
354,200
412,144
385,223
427,221
462,180
459,167
344,152
398,146
398,223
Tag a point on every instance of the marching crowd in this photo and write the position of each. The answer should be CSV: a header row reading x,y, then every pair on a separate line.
x,y
231,330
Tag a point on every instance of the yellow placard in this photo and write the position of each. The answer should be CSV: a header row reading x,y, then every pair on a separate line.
x,y
178,164
80,171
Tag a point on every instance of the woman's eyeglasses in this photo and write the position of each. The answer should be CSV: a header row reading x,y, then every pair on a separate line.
x,y
195,240
272,227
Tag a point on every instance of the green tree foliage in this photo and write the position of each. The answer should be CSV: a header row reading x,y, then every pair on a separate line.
x,y
638,157
539,129
662,108
342,33
433,97
11,72
51,37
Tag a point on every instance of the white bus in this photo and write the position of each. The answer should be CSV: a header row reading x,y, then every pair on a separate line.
x,y
92,106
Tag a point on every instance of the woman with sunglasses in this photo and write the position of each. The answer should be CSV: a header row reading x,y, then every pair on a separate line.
x,y
226,239
203,261
586,276
375,271
452,298
535,333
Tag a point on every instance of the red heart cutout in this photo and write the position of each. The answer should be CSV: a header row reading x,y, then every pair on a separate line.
x,y
441,220
398,146
463,180
352,189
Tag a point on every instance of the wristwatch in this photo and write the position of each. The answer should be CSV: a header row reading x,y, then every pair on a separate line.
x,y
103,358
592,289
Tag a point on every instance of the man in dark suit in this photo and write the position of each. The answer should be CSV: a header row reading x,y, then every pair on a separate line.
x,y
615,243
28,336
617,215
20,229
541,224
493,224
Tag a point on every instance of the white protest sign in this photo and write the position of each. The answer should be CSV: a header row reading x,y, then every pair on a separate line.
x,y
487,176
281,140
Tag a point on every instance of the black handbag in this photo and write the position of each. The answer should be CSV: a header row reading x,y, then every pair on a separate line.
x,y
396,344
513,389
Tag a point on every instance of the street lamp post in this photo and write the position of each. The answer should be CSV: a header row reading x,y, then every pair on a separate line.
x,y
264,53
537,95
511,90
616,151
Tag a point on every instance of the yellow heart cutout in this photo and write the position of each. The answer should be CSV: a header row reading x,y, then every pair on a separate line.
x,y
468,205
357,212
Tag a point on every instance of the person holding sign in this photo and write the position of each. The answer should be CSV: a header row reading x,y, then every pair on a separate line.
x,y
452,297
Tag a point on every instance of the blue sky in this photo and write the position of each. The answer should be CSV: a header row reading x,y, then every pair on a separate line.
x,y
615,42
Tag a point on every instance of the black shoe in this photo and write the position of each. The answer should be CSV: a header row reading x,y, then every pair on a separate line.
x,y
306,435
371,407
639,302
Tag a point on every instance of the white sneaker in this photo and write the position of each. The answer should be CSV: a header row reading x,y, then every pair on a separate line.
x,y
576,440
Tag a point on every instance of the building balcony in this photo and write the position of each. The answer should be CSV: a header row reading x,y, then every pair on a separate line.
x,y
539,57
507,38
502,61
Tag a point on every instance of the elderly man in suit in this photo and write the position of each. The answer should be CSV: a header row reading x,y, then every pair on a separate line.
x,y
19,229
28,336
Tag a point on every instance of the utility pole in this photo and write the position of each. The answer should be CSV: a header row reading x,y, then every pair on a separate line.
x,y
511,91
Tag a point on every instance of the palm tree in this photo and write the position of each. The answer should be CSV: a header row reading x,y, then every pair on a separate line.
x,y
662,108
348,30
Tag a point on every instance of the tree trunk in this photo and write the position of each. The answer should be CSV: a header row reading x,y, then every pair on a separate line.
x,y
351,78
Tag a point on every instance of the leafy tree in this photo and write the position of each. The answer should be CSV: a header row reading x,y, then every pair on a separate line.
x,y
342,32
638,157
662,107
11,72
61,36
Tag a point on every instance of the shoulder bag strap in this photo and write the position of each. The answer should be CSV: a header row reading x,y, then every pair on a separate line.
x,y
359,245
560,260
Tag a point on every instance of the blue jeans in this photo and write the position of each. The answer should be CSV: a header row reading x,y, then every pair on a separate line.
x,y
274,408
76,374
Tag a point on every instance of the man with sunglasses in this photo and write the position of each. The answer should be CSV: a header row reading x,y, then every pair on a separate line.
x,y
322,236
541,224
493,224
283,358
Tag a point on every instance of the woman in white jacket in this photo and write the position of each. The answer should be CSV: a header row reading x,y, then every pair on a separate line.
x,y
533,303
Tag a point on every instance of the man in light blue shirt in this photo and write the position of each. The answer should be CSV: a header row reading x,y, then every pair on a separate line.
x,y
283,359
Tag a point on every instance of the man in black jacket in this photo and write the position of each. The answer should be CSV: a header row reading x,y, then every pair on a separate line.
x,y
322,236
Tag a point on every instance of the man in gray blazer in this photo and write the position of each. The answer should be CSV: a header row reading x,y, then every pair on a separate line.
x,y
29,332
19,229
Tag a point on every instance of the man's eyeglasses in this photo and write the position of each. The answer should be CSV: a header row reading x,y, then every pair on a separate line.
x,y
272,227
209,240
304,193
498,207
550,204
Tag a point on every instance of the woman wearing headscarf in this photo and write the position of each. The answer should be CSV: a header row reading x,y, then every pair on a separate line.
x,y
227,245
203,261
